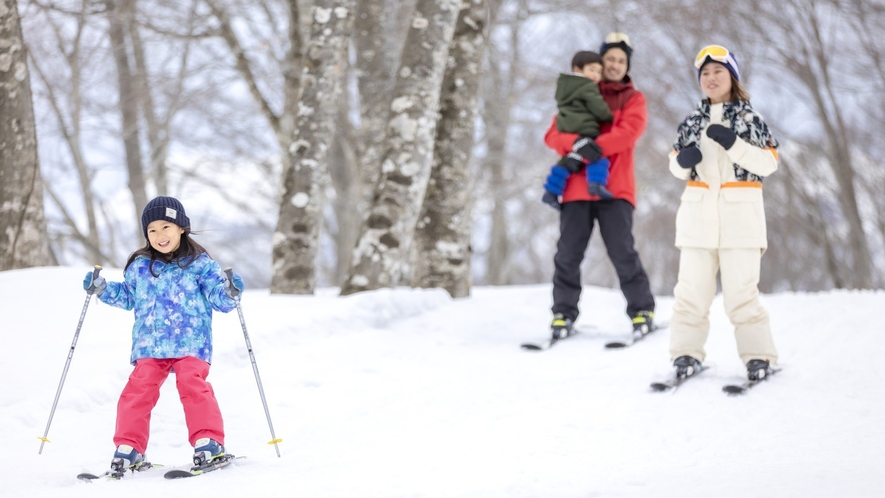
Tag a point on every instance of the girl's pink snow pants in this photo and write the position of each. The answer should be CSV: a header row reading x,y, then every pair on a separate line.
x,y
201,412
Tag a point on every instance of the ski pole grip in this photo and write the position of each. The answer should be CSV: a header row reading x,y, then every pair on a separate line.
x,y
95,271
229,272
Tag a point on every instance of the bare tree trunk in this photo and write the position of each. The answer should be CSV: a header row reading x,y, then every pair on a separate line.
x,y
23,239
345,175
405,168
119,16
306,175
442,239
375,41
293,65
497,103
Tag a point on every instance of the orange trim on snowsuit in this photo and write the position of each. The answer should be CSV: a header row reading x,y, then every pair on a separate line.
x,y
742,185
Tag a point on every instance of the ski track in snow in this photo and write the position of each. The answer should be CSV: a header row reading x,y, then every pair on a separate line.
x,y
405,392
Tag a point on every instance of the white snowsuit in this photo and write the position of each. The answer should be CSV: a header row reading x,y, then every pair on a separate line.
x,y
720,225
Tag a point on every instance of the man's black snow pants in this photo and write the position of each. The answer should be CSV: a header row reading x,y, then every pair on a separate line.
x,y
576,223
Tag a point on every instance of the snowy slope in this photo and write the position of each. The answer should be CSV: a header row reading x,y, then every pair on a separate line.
x,y
409,393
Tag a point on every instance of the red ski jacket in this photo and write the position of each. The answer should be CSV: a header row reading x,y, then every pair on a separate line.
x,y
617,141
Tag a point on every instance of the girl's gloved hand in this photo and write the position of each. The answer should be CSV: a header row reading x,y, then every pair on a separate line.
x,y
234,285
94,286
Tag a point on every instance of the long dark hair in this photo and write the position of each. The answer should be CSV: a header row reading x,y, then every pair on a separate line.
x,y
738,92
188,251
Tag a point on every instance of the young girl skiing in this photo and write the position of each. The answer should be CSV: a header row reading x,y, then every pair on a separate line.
x,y
173,286
724,149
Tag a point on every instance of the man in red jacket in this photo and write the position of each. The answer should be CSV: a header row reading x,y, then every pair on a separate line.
x,y
580,209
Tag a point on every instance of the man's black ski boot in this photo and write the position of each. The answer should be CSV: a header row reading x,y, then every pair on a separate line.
x,y
643,323
561,327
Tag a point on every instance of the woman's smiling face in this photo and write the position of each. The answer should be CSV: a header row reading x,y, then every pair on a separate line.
x,y
716,82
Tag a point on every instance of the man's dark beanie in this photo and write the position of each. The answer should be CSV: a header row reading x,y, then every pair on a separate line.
x,y
164,208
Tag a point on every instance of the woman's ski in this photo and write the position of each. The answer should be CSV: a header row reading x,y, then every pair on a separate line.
x,y
736,389
675,382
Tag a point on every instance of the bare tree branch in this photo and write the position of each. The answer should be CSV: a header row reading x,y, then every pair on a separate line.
x,y
242,64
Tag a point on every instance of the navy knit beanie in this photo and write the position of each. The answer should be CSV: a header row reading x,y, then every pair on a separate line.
x,y
164,208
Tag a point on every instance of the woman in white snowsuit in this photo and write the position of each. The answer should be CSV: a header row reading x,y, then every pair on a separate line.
x,y
724,150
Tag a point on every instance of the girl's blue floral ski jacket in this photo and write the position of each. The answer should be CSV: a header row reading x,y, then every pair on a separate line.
x,y
173,312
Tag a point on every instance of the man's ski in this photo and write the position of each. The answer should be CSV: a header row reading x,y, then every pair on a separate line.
x,y
675,382
634,340
544,346
113,475
736,389
218,463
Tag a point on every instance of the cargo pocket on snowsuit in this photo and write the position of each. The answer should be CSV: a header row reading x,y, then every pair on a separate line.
x,y
690,215
742,215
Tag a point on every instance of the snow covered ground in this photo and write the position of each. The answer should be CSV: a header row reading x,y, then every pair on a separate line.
x,y
405,392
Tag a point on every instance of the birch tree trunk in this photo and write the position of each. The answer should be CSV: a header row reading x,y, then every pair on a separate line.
x,y
376,49
292,66
306,175
23,242
441,255
408,150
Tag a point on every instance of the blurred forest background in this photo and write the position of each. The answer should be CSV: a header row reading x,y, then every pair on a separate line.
x,y
262,115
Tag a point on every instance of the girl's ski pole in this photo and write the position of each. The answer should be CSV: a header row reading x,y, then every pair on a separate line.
x,y
236,293
89,292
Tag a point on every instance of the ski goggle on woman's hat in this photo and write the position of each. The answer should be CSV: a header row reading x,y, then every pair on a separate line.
x,y
720,54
